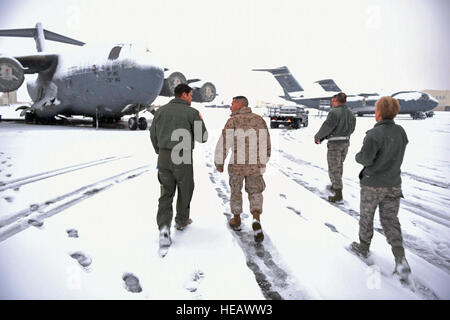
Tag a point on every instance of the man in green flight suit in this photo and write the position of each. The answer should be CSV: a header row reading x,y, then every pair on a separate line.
x,y
337,128
175,128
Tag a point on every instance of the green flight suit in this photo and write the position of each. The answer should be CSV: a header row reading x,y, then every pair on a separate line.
x,y
175,128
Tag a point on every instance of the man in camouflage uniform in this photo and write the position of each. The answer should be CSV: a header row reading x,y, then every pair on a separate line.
x,y
382,155
246,134
337,128
174,128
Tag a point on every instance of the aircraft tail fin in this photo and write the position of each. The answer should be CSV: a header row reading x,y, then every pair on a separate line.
x,y
285,79
40,35
329,85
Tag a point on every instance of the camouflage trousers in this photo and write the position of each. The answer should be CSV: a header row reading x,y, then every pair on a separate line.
x,y
387,199
337,151
254,186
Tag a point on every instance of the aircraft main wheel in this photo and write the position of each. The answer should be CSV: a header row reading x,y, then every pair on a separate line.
x,y
132,123
29,117
142,123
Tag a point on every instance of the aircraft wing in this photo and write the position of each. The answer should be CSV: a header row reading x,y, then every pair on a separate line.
x,y
12,69
39,63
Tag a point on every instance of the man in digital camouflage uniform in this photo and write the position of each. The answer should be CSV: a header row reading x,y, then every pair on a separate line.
x,y
246,134
382,155
337,128
174,128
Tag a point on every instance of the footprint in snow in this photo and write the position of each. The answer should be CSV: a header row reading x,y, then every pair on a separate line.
x,y
332,228
9,199
82,259
282,195
131,282
193,284
35,223
73,233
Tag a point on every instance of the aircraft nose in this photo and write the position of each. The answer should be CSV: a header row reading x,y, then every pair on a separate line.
x,y
154,76
433,101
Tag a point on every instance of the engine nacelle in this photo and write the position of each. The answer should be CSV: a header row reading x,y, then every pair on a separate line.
x,y
171,82
205,93
11,74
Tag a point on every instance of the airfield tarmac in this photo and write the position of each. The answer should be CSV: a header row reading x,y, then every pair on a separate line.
x,y
46,171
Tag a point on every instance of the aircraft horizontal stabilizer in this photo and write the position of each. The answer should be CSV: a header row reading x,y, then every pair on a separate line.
x,y
329,85
284,78
40,35
60,38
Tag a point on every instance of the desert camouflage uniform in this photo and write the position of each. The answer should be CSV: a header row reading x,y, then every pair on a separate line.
x,y
248,159
382,155
340,124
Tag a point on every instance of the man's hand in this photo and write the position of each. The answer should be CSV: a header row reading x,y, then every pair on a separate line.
x,y
316,142
220,169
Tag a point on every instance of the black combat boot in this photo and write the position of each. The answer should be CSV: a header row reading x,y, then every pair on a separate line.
x,y
337,196
402,270
360,249
331,188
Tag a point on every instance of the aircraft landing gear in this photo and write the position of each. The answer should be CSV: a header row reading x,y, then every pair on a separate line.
x,y
142,123
134,123
30,117
137,122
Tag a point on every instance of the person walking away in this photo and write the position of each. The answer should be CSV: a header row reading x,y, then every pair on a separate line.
x,y
382,156
246,134
337,128
175,128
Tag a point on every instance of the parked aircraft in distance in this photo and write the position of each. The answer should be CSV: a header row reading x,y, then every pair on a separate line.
x,y
418,104
122,82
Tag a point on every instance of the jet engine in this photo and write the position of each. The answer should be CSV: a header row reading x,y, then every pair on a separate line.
x,y
205,93
171,82
11,74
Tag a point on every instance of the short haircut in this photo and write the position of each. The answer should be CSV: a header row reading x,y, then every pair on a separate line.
x,y
242,100
341,97
182,88
388,107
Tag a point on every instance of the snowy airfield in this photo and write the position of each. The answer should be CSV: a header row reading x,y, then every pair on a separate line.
x,y
78,219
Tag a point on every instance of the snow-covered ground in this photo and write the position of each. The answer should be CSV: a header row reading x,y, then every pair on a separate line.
x,y
78,219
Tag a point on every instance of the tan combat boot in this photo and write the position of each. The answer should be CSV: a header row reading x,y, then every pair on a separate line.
x,y
235,222
256,226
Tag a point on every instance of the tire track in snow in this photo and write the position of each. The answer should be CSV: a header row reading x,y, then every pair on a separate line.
x,y
16,183
263,258
419,209
39,212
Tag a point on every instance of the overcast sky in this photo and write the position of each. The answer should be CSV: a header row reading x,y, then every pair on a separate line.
x,y
364,45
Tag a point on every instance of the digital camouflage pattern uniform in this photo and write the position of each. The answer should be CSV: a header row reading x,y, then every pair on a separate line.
x,y
382,155
337,128
246,134
176,117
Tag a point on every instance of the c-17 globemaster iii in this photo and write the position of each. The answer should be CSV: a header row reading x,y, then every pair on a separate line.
x,y
122,82
418,104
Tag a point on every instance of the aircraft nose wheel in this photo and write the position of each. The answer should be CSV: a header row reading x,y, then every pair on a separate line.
x,y
132,123
142,123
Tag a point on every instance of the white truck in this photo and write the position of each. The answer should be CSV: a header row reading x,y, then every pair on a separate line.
x,y
288,116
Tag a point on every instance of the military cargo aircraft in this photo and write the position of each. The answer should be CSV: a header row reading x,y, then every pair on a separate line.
x,y
418,104
123,82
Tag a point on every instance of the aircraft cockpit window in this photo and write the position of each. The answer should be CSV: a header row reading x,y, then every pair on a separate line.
x,y
114,53
128,63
